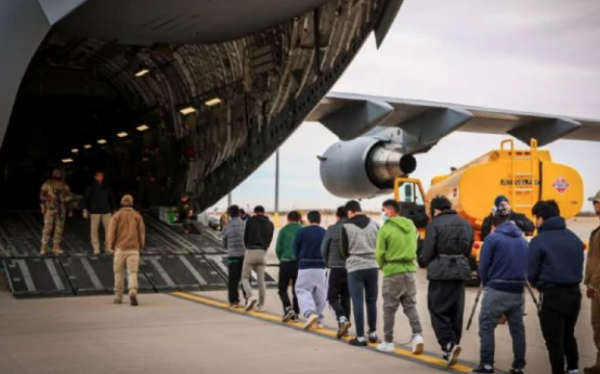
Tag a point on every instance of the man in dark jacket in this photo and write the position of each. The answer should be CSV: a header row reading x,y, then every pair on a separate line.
x,y
555,268
257,238
288,265
233,243
98,203
359,238
503,272
338,294
311,286
446,252
519,219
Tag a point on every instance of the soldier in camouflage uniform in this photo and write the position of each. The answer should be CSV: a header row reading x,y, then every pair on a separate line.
x,y
54,196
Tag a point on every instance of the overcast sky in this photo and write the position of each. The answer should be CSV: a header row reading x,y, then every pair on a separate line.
x,y
530,55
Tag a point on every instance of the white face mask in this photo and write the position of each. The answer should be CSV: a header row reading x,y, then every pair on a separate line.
x,y
384,217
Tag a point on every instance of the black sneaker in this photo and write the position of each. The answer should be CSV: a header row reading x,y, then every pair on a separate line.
x,y
289,315
373,339
520,371
481,369
357,343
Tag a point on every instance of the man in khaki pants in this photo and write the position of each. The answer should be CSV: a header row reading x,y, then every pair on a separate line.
x,y
592,282
126,238
98,203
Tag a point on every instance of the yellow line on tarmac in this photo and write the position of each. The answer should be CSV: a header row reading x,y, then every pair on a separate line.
x,y
435,361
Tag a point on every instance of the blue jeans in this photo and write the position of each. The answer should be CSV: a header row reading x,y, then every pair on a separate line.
x,y
494,305
363,284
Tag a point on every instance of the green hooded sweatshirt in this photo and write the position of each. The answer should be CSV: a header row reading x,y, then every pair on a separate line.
x,y
396,250
285,242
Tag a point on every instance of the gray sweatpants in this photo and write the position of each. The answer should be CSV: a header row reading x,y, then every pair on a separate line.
x,y
254,260
400,289
494,305
311,290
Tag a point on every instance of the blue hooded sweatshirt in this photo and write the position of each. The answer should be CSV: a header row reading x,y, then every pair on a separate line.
x,y
307,247
503,259
555,256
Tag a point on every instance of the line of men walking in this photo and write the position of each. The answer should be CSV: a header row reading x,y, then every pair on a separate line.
x,y
553,263
355,247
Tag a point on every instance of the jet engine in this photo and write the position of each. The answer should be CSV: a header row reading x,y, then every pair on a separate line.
x,y
364,167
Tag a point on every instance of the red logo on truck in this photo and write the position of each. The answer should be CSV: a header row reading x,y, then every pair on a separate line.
x,y
560,184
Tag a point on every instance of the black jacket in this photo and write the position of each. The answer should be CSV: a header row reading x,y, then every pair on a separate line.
x,y
447,247
519,219
99,199
258,233
555,256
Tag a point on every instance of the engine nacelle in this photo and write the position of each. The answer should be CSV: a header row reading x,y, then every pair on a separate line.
x,y
364,167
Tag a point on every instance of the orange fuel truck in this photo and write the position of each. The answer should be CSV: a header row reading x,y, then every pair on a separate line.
x,y
525,176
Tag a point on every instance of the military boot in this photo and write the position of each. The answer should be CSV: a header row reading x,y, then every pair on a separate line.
x,y
56,250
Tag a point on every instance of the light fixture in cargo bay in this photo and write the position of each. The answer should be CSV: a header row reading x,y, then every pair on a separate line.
x,y
187,110
122,134
75,150
101,141
141,72
67,160
214,101
87,146
142,128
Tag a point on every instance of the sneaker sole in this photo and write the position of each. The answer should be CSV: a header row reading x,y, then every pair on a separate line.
x,y
310,323
250,305
386,350
454,358
419,349
288,317
344,330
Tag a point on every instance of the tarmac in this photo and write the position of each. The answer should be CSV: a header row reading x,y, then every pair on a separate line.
x,y
199,333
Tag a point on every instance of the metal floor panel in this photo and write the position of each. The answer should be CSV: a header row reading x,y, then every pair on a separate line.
x,y
174,272
21,231
94,275
37,277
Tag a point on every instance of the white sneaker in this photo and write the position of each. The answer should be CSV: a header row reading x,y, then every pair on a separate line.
x,y
386,347
418,346
453,354
310,321
250,304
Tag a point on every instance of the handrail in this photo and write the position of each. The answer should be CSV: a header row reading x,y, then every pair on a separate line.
x,y
512,167
534,148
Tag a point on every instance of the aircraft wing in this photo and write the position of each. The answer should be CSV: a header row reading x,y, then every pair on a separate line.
x,y
351,115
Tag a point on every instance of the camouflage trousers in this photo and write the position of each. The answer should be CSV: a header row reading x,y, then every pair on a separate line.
x,y
53,223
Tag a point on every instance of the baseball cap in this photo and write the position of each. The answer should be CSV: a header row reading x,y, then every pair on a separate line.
x,y
596,198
